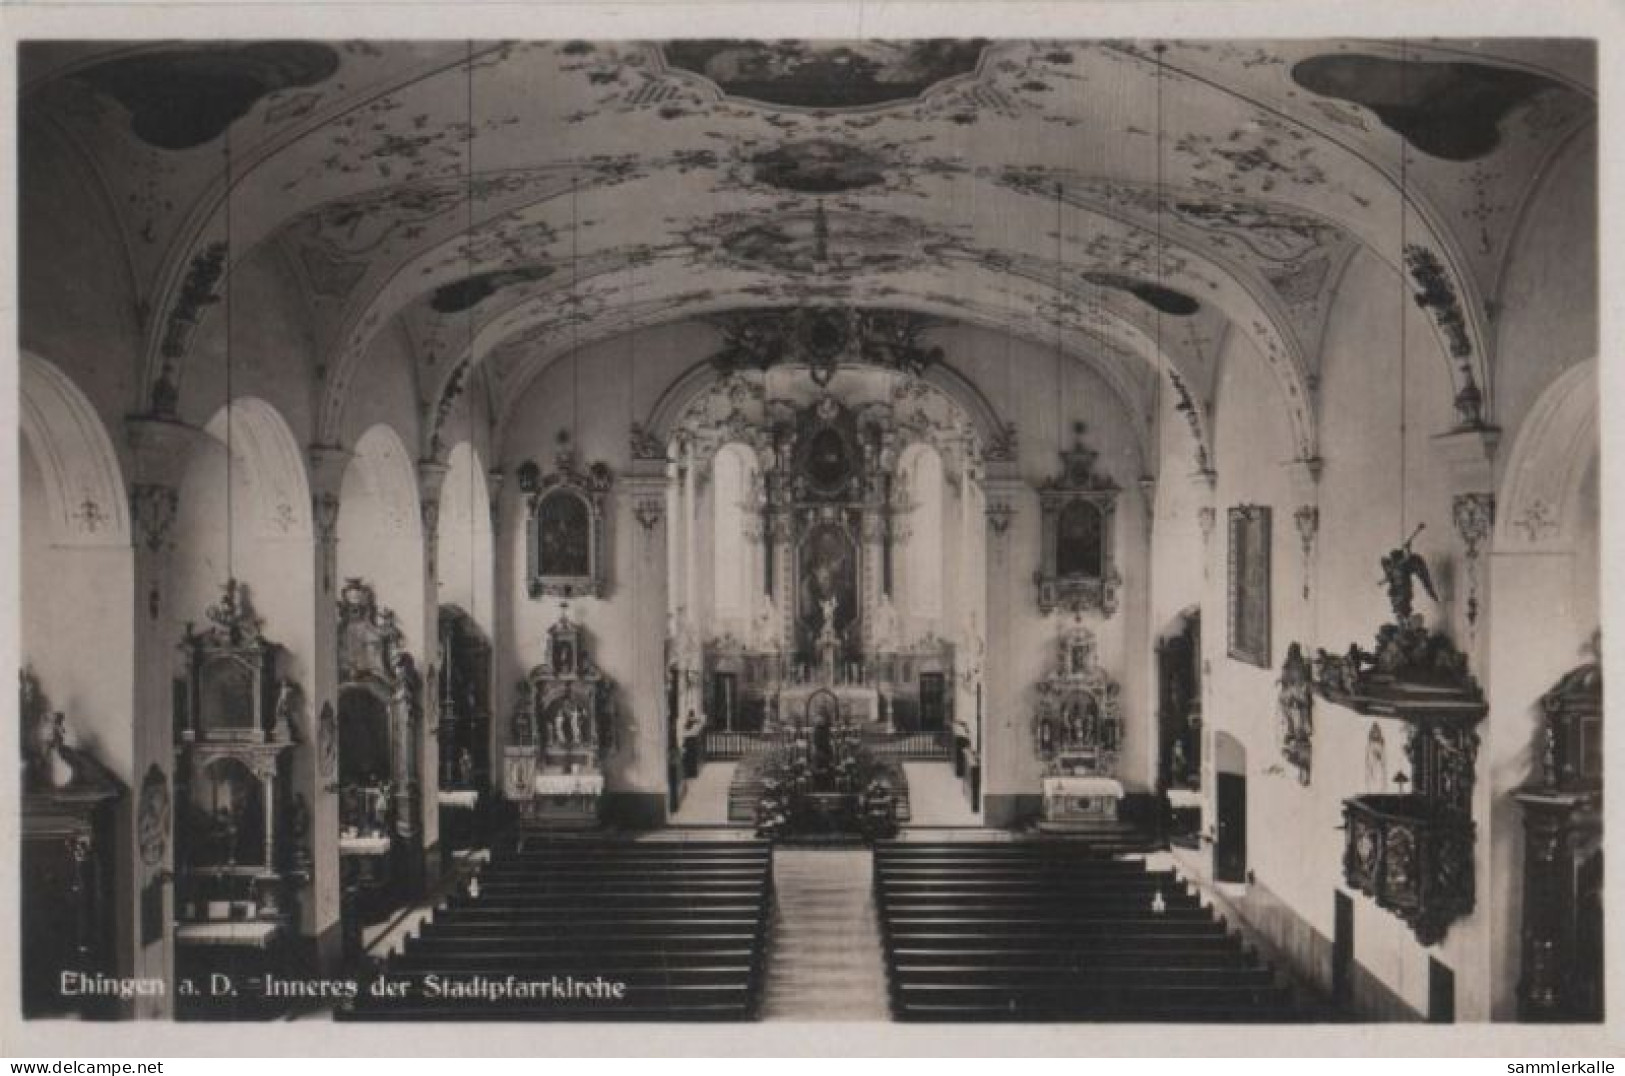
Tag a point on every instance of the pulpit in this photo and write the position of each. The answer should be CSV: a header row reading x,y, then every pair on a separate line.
x,y
563,730
1412,852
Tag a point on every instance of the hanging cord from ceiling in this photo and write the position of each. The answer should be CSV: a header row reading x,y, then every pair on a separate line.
x,y
230,285
576,310
468,404
1156,392
1060,367
1404,299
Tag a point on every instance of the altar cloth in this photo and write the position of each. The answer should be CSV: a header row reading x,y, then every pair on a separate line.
x,y
569,784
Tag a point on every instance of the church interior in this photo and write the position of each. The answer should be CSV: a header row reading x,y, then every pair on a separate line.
x,y
936,530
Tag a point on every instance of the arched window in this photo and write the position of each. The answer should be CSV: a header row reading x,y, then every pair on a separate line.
x,y
732,475
922,465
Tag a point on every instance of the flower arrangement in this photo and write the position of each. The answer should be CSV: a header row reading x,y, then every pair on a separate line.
x,y
825,781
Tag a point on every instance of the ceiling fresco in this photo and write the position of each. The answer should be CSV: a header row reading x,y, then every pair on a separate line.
x,y
504,202
825,74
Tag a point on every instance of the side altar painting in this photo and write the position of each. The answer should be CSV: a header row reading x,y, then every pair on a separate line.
x,y
1077,557
564,529
1248,584
564,729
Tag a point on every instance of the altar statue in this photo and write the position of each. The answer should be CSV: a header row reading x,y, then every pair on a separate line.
x,y
827,607
888,628
768,630
566,731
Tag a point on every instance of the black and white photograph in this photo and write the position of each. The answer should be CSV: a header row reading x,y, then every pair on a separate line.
x,y
901,531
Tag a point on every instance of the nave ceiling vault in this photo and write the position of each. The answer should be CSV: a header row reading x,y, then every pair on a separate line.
x,y
1013,184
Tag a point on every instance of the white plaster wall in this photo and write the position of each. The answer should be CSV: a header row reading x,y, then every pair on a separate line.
x,y
617,382
463,575
77,632
1295,844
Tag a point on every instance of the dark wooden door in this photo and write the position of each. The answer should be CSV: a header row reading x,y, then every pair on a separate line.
x,y
1343,949
933,702
724,704
1230,843
1441,993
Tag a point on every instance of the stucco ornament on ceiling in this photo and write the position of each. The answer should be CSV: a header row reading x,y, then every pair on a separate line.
x,y
819,166
825,74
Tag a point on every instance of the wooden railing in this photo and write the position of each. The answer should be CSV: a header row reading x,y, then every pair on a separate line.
x,y
914,746
725,746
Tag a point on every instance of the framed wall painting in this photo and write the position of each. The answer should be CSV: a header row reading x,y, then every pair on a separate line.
x,y
565,528
1249,584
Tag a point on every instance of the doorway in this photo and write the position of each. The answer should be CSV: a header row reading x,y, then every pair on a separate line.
x,y
933,702
1179,702
1230,829
1342,949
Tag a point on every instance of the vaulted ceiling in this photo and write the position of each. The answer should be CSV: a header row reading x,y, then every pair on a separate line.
x,y
505,202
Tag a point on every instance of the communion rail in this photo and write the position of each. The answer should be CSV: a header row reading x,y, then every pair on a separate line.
x,y
726,746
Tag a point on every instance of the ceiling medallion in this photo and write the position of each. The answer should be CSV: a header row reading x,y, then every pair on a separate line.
x,y
825,74
821,337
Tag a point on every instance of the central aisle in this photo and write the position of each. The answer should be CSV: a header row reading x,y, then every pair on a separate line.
x,y
824,957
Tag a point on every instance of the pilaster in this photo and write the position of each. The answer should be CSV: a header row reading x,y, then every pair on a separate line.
x,y
315,767
160,451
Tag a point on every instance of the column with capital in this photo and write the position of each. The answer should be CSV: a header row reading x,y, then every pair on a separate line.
x,y
636,770
160,450
431,484
315,762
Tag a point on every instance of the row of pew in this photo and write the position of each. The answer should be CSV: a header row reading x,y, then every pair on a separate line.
x,y
1053,930
550,928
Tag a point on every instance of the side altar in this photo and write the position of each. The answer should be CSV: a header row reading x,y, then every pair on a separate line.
x,y
563,732
1078,733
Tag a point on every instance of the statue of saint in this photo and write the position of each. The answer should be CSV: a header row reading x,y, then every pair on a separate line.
x,y
287,708
827,608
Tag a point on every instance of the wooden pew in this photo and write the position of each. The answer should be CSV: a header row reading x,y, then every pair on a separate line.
x,y
1047,930
678,928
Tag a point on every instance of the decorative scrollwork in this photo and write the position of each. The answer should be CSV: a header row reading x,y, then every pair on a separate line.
x,y
1307,517
1078,725
820,337
1295,703
1474,516
154,508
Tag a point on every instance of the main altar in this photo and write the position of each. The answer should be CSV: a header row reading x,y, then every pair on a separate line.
x,y
825,510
